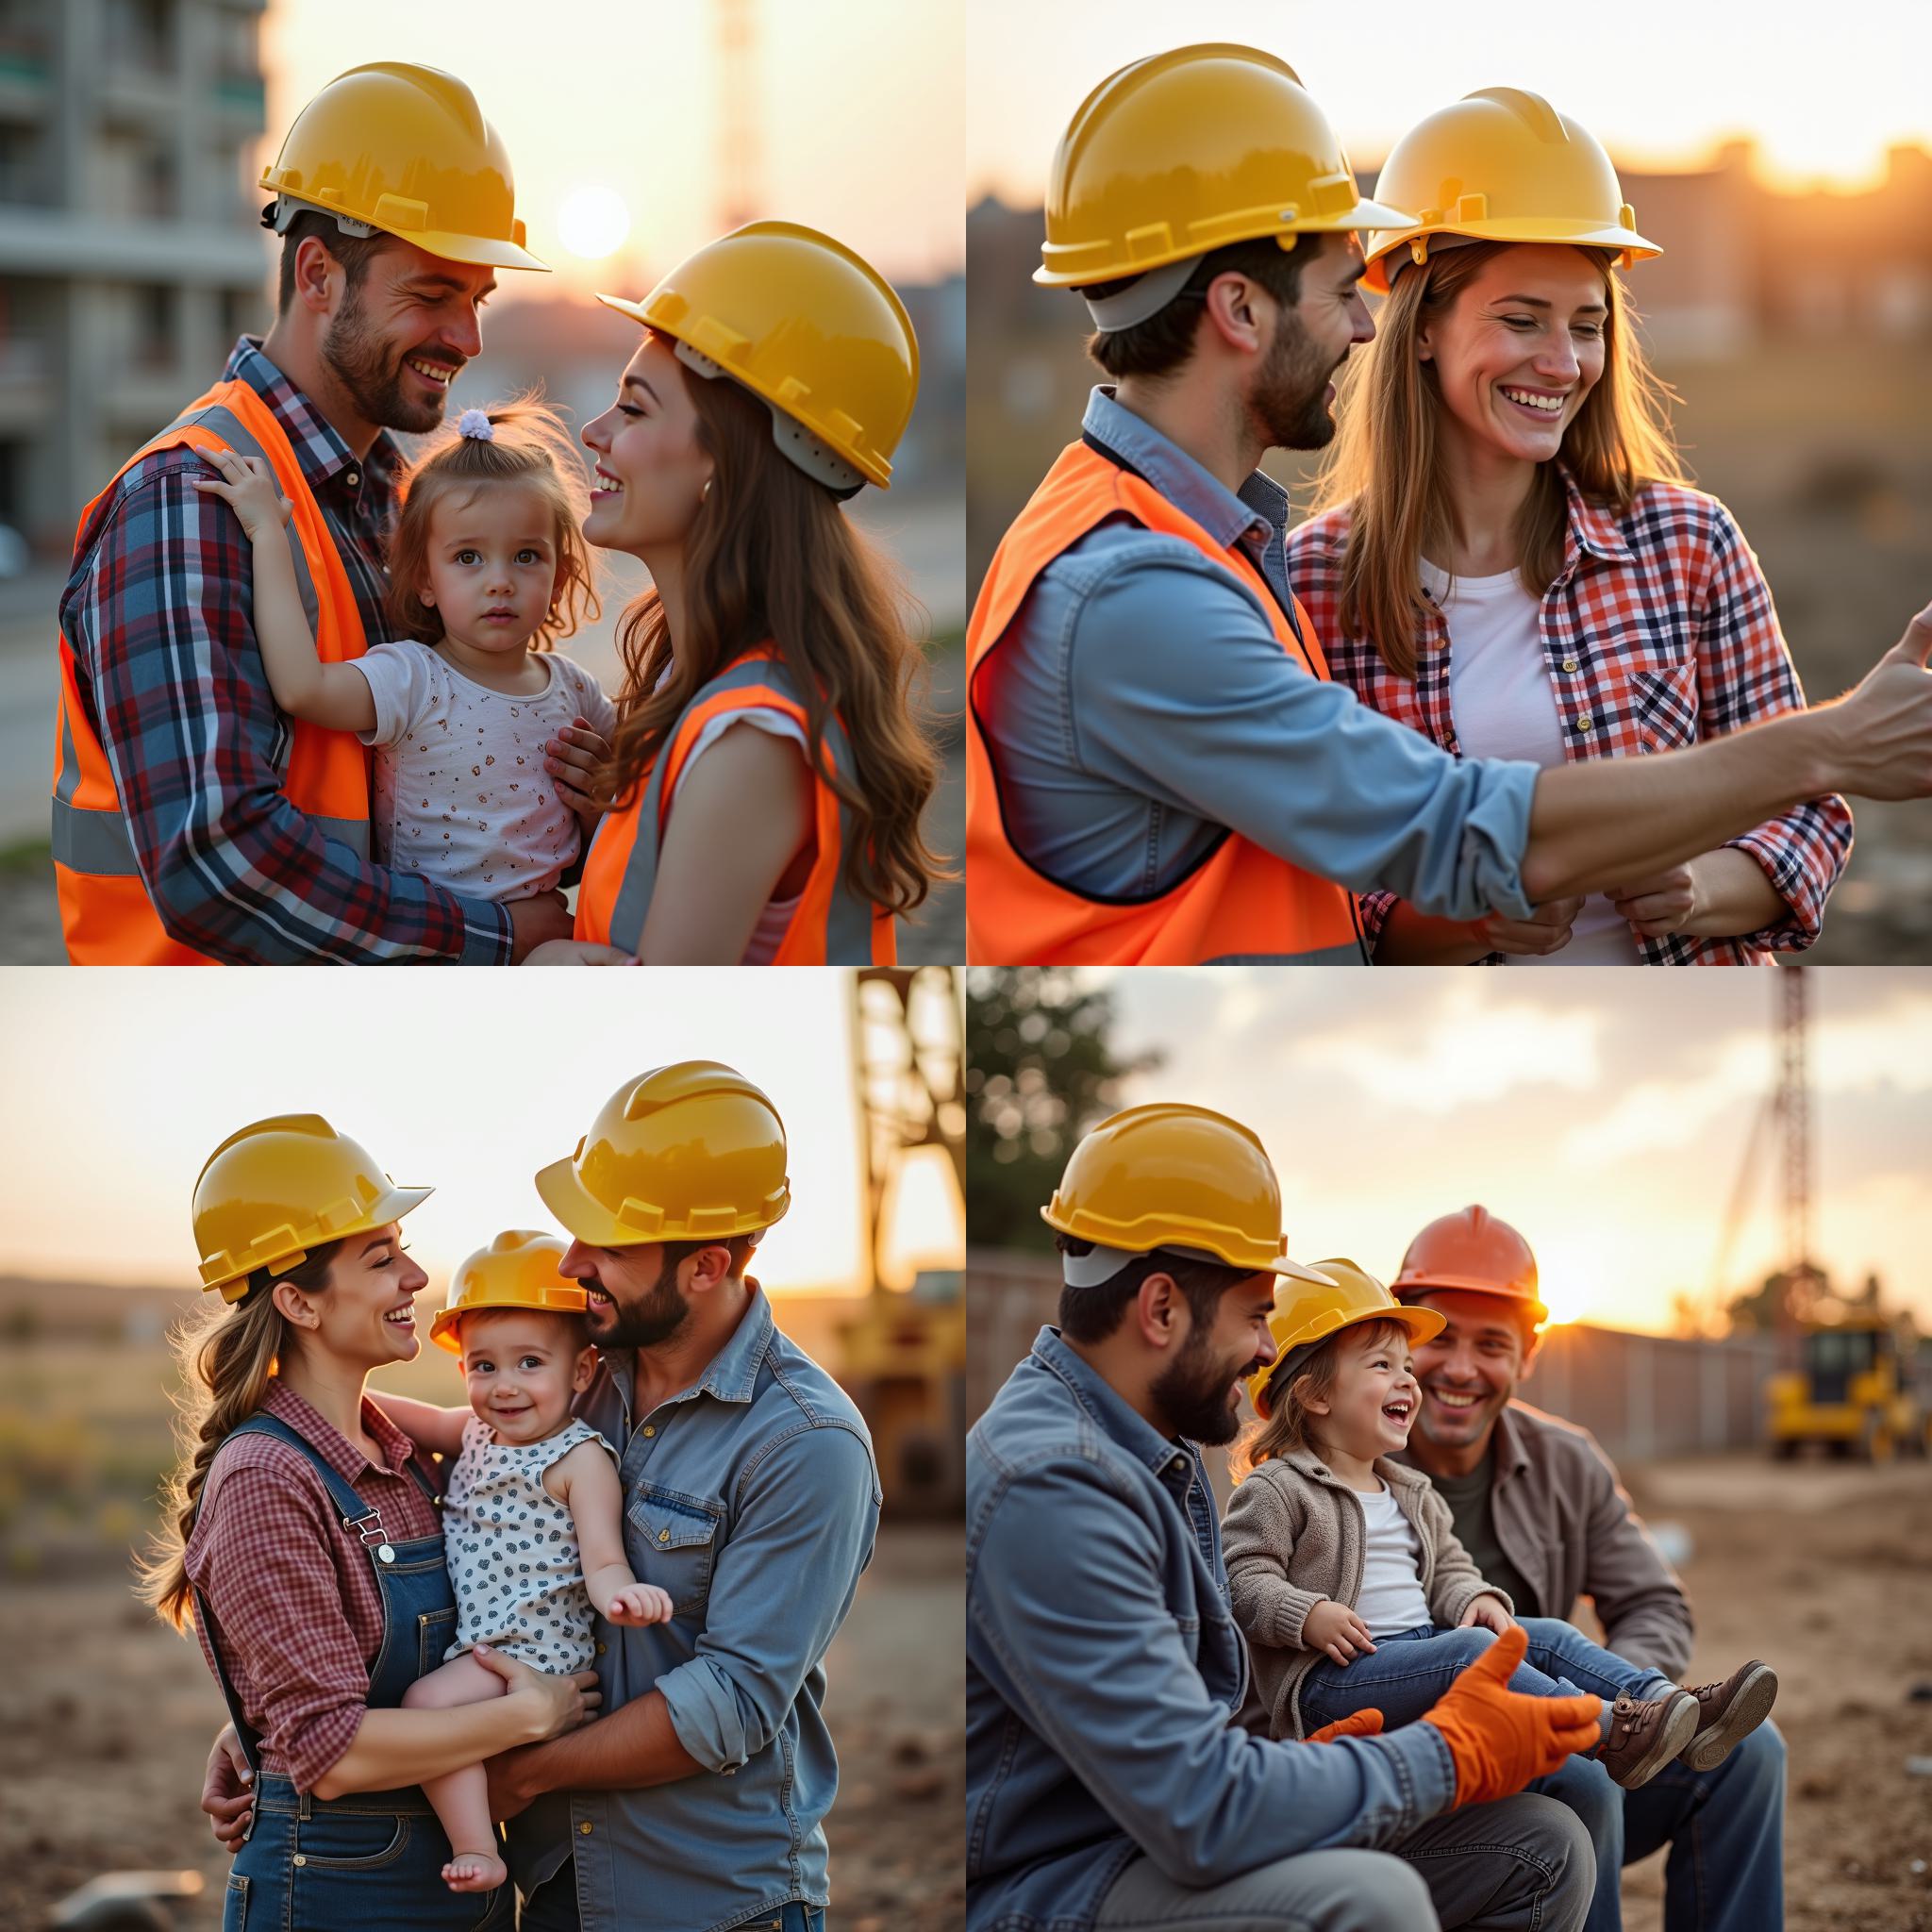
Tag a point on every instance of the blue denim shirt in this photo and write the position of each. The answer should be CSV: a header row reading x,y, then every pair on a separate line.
x,y
1143,705
752,1498
1103,1671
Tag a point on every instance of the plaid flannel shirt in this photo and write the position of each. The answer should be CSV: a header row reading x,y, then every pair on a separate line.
x,y
291,1588
158,613
1659,631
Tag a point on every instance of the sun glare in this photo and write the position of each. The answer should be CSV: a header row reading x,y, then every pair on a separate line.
x,y
592,222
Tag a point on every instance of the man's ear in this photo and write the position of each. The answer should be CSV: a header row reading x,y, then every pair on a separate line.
x,y
1160,1308
1532,1347
710,1266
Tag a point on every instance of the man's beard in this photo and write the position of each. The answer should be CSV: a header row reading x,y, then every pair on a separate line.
x,y
656,1319
1192,1392
1289,398
360,361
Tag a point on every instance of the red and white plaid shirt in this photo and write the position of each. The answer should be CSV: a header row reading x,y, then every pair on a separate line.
x,y
1659,631
292,1591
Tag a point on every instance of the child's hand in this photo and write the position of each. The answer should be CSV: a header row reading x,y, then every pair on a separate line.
x,y
250,486
1335,1628
1488,1612
642,1603
573,758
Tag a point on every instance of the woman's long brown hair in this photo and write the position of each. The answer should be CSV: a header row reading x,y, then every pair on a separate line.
x,y
227,1355
773,558
1383,460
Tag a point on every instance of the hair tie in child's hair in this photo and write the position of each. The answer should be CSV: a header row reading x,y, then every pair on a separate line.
x,y
476,423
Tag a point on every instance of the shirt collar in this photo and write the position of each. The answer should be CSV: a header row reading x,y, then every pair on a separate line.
x,y
329,1442
1260,509
320,450
731,1374
1592,528
1109,1411
1507,1444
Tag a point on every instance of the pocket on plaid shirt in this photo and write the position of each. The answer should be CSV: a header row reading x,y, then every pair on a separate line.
x,y
1663,707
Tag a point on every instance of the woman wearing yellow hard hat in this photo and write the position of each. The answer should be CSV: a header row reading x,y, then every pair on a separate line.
x,y
775,376
307,1552
1507,556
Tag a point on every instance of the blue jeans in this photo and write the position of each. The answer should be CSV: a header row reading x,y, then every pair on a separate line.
x,y
1406,1674
1725,1828
553,1907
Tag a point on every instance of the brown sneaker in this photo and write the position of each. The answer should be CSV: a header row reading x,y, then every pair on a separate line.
x,y
1729,1712
1645,1734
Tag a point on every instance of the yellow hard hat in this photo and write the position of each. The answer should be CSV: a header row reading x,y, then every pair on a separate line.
x,y
518,1269
406,150
1502,165
1174,1176
807,326
690,1152
1188,151
279,1187
1309,1315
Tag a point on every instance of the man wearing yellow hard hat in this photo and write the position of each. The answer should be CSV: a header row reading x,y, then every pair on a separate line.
x,y
1159,769
1108,1784
751,1497
192,822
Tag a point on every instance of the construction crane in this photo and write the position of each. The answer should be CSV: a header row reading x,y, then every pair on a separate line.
x,y
740,159
903,1358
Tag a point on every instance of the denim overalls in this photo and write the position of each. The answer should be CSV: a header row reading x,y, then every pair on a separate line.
x,y
372,1860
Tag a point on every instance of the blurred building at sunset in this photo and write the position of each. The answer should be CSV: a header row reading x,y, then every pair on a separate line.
x,y
130,259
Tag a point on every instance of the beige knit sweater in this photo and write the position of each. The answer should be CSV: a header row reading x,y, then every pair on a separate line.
x,y
1293,1534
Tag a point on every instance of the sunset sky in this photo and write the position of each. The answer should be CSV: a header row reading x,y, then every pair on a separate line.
x,y
464,1082
858,109
1660,83
1606,1114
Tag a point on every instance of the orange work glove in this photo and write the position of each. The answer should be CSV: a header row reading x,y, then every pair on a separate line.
x,y
1358,1724
1500,1738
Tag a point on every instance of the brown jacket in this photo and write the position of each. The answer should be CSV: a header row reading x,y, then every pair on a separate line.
x,y
1293,1534
1565,1522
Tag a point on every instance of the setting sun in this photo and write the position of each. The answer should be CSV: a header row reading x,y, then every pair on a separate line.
x,y
592,222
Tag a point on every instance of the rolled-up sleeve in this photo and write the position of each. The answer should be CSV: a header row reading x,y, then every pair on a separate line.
x,y
263,1564
1745,673
783,1581
1177,688
1066,1617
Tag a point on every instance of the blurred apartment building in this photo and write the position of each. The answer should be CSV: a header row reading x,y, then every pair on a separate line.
x,y
130,253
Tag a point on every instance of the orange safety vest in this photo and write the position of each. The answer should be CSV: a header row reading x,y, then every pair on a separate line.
x,y
1242,902
106,913
831,927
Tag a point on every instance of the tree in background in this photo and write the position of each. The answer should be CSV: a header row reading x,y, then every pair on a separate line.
x,y
1040,1072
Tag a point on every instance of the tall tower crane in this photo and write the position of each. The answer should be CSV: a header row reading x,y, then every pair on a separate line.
x,y
739,141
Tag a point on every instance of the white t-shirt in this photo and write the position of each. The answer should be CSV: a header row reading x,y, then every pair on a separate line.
x,y
1392,1597
461,795
1500,697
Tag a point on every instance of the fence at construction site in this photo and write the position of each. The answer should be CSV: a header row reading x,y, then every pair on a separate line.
x,y
1641,1396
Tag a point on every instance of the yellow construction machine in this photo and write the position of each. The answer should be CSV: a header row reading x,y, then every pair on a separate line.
x,y
1859,1391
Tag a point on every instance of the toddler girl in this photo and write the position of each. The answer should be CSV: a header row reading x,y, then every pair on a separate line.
x,y
528,1479
488,567
1347,1576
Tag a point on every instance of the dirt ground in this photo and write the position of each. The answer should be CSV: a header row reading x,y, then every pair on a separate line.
x,y
1825,1569
105,1721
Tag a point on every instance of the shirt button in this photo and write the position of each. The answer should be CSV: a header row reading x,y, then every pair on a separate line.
x,y
1568,663
353,479
1583,722
649,1429
585,1828
663,1536
600,1650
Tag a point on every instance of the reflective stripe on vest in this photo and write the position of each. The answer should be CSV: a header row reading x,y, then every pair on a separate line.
x,y
1241,904
91,842
830,926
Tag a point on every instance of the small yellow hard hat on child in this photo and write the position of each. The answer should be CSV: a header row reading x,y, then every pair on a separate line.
x,y
1306,1315
1501,165
277,1187
690,1152
518,1269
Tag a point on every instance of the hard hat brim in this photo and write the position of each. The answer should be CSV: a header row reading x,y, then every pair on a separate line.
x,y
1468,1284
1525,232
1364,214
386,1207
1424,1325
1295,1271
579,1211
478,251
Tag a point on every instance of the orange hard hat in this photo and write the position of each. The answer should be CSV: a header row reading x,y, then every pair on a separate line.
x,y
1472,1251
